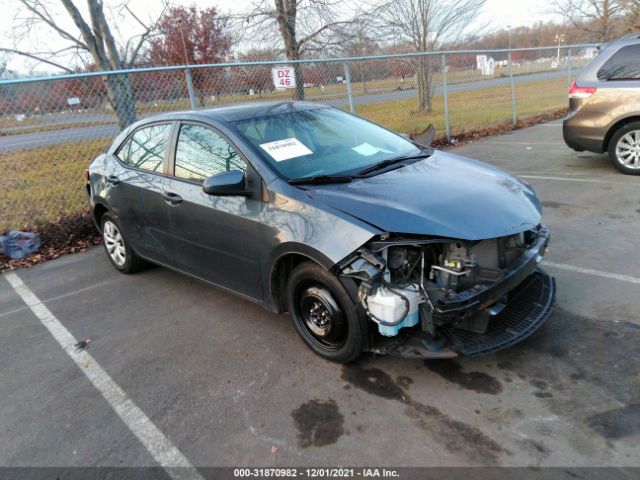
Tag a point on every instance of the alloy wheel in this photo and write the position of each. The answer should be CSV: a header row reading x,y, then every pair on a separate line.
x,y
628,149
114,243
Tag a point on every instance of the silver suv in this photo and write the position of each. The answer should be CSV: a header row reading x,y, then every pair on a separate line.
x,y
604,105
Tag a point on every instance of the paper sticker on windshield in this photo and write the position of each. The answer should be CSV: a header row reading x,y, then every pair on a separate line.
x,y
285,149
367,149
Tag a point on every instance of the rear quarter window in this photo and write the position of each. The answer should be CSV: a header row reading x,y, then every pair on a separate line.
x,y
146,148
623,65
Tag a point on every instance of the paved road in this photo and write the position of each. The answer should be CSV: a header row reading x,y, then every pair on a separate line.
x,y
74,134
456,87
231,384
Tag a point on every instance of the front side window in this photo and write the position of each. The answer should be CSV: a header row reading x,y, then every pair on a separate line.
x,y
623,65
146,148
201,153
320,141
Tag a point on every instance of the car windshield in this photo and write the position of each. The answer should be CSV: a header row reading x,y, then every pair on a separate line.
x,y
319,142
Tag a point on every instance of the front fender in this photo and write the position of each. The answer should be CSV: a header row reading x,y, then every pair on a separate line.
x,y
294,225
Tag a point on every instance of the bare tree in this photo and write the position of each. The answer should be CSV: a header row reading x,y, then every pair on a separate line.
x,y
597,17
304,26
93,36
425,24
631,20
3,65
360,41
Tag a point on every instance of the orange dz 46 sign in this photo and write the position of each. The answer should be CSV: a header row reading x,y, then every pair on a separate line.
x,y
283,77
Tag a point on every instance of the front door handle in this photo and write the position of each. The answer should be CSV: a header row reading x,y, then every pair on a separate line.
x,y
171,198
113,180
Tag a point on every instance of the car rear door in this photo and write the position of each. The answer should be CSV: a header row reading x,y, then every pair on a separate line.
x,y
215,238
136,183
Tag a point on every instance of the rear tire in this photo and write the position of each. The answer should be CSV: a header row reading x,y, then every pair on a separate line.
x,y
624,149
121,255
324,315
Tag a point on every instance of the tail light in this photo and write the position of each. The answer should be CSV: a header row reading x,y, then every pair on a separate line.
x,y
580,92
87,174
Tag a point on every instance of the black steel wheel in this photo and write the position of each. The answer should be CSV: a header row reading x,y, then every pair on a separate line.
x,y
323,319
324,315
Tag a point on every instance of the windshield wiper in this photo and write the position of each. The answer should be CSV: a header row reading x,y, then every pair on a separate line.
x,y
321,179
390,161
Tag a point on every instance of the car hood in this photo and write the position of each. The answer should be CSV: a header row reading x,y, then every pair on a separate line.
x,y
443,195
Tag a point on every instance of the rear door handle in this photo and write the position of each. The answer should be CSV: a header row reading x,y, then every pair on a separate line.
x,y
171,198
113,180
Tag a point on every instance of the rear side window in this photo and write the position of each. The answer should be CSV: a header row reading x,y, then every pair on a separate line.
x,y
201,153
623,65
146,148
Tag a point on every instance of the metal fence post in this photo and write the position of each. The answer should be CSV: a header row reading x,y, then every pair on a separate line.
x,y
347,76
513,92
568,67
192,93
445,92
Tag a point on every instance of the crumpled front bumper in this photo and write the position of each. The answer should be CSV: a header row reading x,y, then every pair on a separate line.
x,y
528,294
529,306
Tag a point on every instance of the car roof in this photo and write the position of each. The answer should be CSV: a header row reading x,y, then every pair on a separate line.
x,y
631,38
235,112
587,76
615,45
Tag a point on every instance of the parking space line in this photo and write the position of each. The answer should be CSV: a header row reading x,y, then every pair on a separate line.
x,y
80,290
160,447
506,142
567,179
590,271
11,312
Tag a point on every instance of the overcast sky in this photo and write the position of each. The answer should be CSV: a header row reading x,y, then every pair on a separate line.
x,y
497,14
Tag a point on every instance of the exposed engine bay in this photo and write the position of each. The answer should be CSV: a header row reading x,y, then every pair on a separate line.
x,y
434,286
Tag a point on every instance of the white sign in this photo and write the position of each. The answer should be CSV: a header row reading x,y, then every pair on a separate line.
x,y
283,77
489,67
73,101
338,79
481,61
367,149
285,149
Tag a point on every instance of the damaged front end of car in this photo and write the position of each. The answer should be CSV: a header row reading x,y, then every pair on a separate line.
x,y
439,297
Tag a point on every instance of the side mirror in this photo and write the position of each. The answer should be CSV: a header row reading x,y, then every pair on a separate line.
x,y
226,183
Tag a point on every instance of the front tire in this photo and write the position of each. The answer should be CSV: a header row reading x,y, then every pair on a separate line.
x,y
324,315
122,257
624,149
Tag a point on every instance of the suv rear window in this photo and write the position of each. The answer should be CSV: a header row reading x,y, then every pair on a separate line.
x,y
623,65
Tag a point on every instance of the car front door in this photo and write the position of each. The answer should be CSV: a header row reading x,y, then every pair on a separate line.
x,y
136,183
215,238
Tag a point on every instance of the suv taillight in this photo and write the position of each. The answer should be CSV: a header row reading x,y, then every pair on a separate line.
x,y
580,92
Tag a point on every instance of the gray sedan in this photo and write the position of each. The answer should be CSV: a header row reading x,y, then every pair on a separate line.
x,y
371,242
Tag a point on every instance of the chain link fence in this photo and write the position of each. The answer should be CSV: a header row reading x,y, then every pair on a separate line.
x,y
51,128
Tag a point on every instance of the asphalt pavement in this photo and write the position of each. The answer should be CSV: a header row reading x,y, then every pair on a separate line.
x,y
227,383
